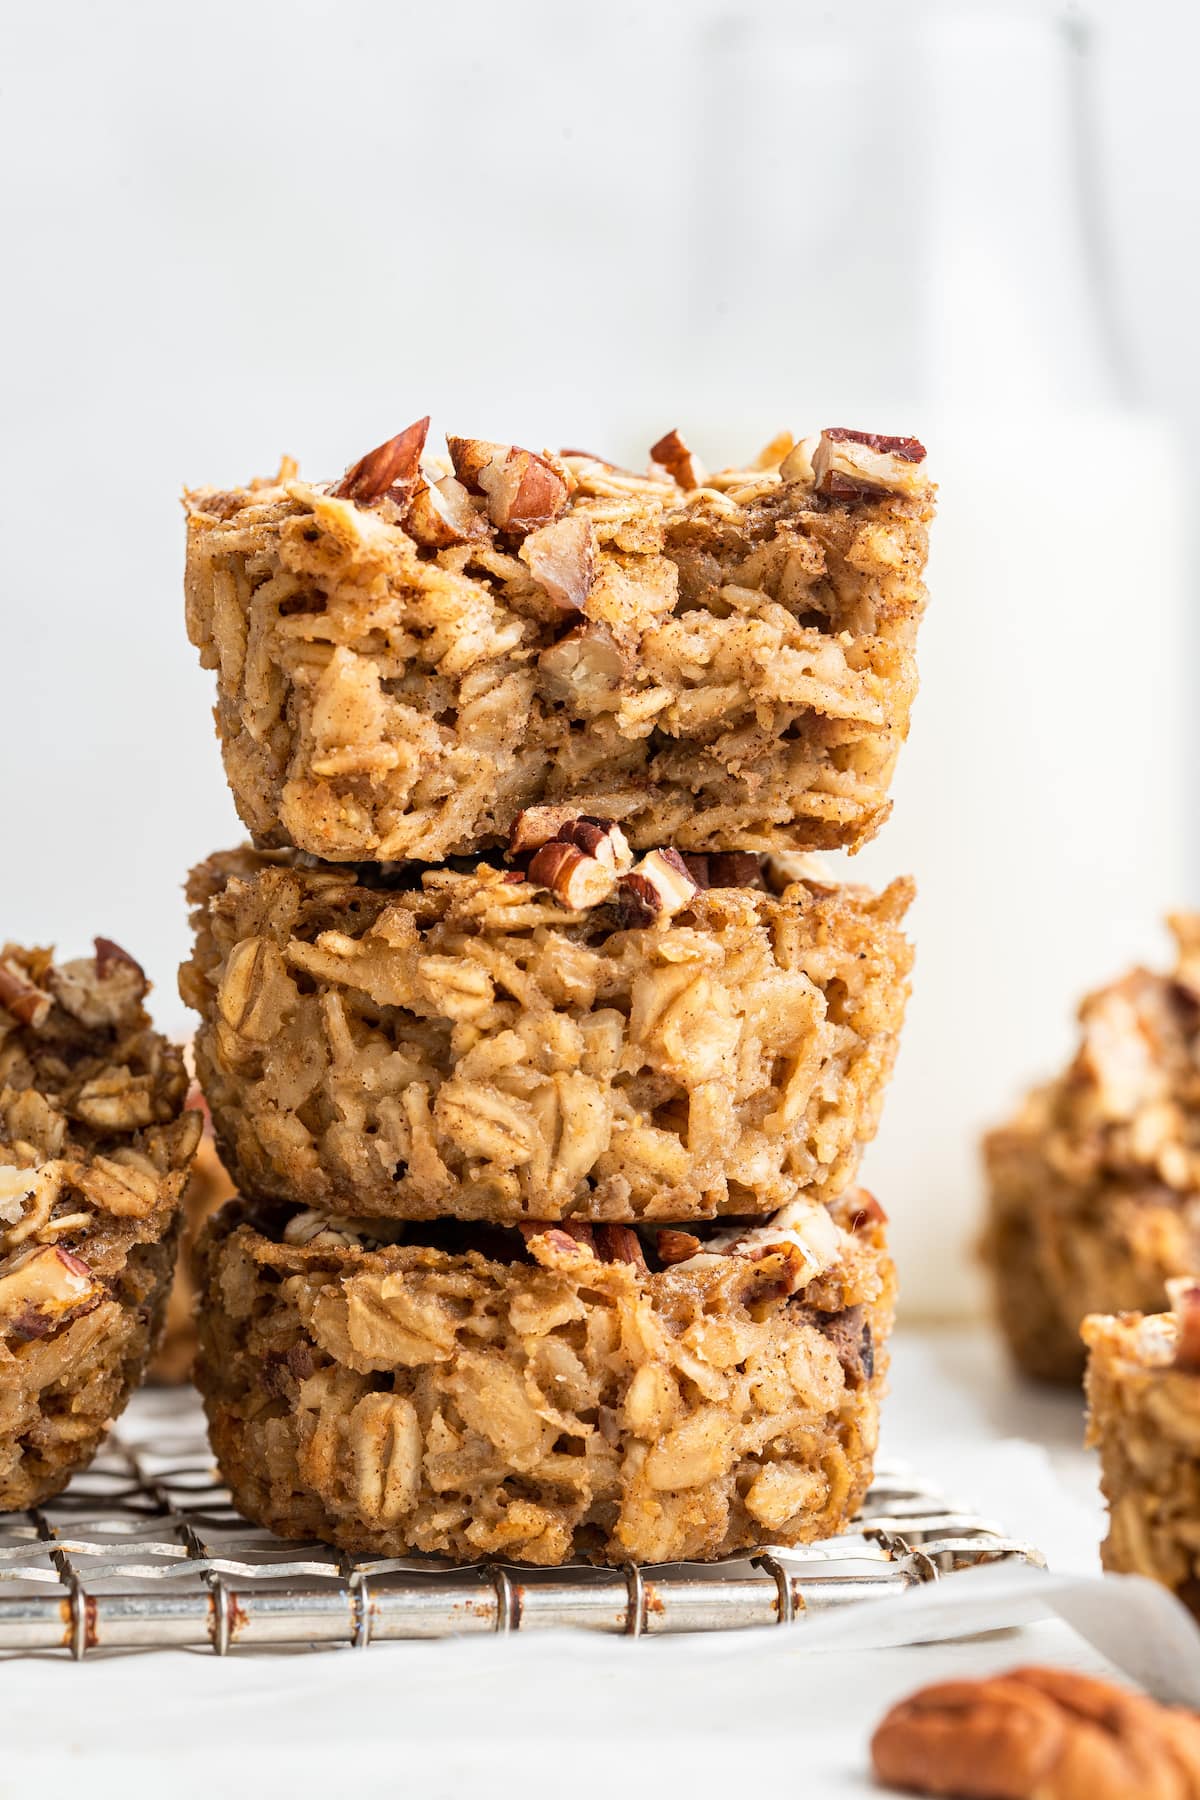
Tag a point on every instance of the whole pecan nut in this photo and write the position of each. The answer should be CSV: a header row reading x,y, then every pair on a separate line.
x,y
1038,1734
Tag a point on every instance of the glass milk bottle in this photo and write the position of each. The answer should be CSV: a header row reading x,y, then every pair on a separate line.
x,y
908,249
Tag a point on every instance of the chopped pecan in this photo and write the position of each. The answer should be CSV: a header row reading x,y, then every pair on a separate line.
x,y
27,1003
586,664
676,1246
43,1289
601,838
866,1211
110,956
390,468
1036,1734
18,1185
1184,1295
673,455
637,903
908,449
441,514
573,876
580,862
850,464
471,456
849,1332
734,868
660,886
537,825
523,491
561,557
567,1233
797,465
619,1243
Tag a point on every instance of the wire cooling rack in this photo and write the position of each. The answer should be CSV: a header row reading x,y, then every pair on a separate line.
x,y
144,1550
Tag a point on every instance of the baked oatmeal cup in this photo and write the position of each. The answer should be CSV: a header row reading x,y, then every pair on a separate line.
x,y
408,658
547,1394
95,1150
1095,1185
582,1035
1143,1387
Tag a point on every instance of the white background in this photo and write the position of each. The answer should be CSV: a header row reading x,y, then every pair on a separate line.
x,y
245,228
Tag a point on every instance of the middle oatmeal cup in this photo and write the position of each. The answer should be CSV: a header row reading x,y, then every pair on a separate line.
x,y
601,1393
577,1036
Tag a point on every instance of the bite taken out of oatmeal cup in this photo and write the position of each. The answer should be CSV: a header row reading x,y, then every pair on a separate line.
x,y
409,657
551,1393
95,1150
576,1033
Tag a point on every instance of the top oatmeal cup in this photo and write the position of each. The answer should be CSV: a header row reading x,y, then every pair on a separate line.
x,y
408,658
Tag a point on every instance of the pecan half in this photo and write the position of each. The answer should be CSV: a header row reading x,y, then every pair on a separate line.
x,y
1037,1734
673,455
391,466
850,464
561,557
27,1004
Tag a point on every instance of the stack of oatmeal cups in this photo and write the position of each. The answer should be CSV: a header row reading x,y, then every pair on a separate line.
x,y
539,1047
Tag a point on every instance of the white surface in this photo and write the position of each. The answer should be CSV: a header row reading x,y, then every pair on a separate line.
x,y
574,1715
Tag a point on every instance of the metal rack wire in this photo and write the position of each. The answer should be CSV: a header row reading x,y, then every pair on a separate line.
x,y
144,1550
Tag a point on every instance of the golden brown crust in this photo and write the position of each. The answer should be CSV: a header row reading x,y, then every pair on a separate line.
x,y
1038,1734
717,666
95,1149
469,1047
546,1400
1094,1187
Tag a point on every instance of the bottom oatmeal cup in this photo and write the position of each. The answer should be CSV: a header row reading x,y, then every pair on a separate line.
x,y
95,1151
549,1393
